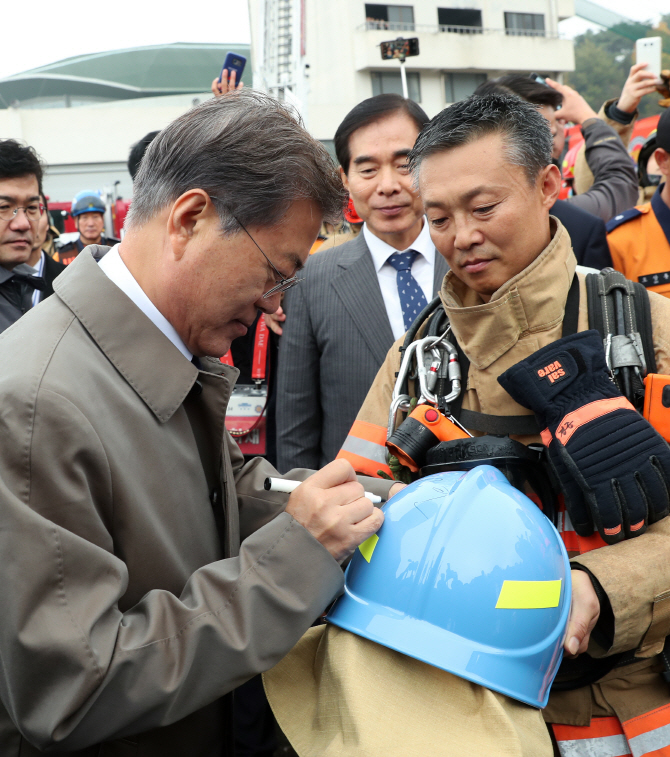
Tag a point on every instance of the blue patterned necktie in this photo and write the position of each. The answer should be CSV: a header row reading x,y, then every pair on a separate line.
x,y
412,298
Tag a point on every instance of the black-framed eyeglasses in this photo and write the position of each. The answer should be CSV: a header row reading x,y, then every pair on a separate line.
x,y
283,284
32,211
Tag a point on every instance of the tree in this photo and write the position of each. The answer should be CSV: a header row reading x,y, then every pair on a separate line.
x,y
603,60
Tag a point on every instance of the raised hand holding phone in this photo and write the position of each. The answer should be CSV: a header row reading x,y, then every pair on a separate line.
x,y
648,50
231,75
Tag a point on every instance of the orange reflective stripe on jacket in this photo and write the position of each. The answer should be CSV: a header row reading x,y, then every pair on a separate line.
x,y
603,738
649,734
365,449
645,736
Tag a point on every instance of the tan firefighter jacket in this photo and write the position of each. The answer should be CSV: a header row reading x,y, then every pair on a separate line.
x,y
524,315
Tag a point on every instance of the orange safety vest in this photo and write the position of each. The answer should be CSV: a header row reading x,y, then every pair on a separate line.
x,y
639,241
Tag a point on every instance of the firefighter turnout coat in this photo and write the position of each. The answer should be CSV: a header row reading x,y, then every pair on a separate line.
x,y
627,711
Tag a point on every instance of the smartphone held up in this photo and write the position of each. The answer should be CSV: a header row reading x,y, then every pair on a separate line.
x,y
648,50
234,63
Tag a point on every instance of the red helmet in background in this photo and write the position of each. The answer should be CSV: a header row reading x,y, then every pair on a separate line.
x,y
350,213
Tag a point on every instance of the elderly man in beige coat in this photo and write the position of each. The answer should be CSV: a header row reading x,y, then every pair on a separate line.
x,y
145,570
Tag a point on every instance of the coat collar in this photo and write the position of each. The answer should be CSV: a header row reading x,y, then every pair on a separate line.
x,y
531,302
143,355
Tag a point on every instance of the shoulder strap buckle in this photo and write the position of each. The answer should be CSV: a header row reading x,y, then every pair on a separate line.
x,y
625,351
616,307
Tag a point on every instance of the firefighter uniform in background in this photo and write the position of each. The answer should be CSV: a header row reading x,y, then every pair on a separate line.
x,y
84,202
628,710
639,238
639,241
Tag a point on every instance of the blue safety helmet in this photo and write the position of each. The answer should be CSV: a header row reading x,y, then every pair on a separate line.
x,y
468,575
87,202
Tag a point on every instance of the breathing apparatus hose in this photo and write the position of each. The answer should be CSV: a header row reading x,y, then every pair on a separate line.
x,y
438,323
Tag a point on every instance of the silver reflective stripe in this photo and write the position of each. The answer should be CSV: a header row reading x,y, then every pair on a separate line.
x,y
606,746
650,741
363,448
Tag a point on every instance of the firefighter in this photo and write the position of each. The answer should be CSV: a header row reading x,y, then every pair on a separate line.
x,y
511,293
88,211
639,239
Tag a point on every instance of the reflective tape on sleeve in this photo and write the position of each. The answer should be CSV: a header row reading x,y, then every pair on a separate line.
x,y
365,449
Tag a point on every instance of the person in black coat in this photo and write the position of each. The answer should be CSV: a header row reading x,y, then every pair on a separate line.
x,y
587,234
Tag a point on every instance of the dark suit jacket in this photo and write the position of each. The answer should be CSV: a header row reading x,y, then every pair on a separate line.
x,y
587,234
336,337
51,270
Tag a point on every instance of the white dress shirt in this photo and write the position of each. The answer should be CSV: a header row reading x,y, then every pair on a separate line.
x,y
423,270
117,271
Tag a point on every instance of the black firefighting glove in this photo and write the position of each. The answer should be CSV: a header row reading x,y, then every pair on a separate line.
x,y
613,467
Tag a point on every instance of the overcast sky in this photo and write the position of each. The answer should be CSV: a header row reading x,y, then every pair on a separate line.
x,y
78,27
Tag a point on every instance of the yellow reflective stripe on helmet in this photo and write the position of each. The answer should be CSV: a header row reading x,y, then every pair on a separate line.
x,y
529,595
368,546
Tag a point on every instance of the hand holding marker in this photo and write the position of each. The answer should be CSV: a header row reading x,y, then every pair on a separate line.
x,y
287,486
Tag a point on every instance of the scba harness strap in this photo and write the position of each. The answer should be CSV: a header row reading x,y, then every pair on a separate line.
x,y
619,310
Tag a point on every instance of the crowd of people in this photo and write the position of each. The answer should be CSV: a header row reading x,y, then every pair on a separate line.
x,y
149,570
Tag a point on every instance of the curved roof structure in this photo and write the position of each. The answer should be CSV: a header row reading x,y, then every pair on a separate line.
x,y
175,69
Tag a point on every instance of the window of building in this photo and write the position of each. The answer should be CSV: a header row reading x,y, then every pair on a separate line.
x,y
393,17
524,24
329,144
460,20
458,86
390,83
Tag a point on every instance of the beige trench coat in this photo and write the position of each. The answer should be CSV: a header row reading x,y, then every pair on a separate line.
x,y
119,616
523,316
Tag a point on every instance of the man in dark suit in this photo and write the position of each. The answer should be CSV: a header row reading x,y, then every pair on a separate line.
x,y
21,213
587,234
358,298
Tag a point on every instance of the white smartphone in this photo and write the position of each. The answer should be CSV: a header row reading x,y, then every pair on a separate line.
x,y
648,50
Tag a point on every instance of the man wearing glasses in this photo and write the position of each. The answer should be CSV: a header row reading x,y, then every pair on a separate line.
x,y
146,572
20,210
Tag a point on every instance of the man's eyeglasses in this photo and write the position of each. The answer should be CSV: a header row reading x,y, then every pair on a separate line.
x,y
32,211
283,284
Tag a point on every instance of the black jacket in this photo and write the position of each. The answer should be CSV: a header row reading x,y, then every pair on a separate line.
x,y
51,269
587,234
15,297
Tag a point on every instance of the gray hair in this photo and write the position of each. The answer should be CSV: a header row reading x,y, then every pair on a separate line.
x,y
526,133
249,152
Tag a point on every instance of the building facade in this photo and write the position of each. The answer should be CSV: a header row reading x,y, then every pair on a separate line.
x,y
83,114
325,56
